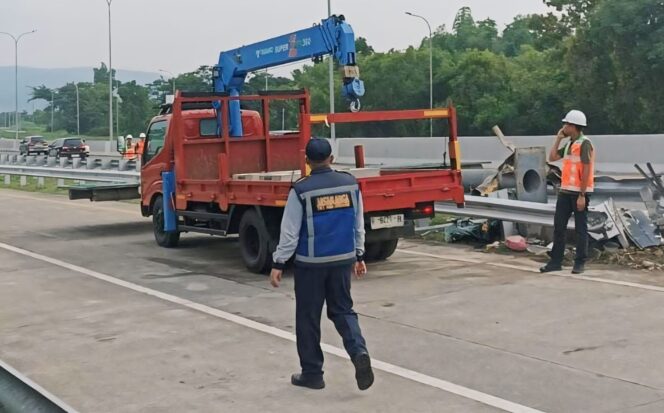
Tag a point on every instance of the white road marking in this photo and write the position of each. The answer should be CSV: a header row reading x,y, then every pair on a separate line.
x,y
471,260
55,400
405,373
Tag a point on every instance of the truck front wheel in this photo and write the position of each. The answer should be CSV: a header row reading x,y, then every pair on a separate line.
x,y
163,238
256,244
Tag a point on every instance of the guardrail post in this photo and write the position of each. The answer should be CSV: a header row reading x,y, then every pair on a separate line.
x,y
4,158
123,165
21,159
40,181
63,162
106,163
40,160
23,180
8,180
30,160
51,161
76,163
61,182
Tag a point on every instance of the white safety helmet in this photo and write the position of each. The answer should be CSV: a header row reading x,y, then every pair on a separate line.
x,y
576,117
142,135
129,137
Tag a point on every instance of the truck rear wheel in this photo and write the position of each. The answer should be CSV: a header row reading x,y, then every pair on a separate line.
x,y
380,250
256,244
163,238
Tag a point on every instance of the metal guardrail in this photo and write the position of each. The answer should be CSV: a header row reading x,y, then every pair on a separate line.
x,y
95,175
502,209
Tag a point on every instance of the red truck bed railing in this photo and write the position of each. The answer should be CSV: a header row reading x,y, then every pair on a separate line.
x,y
206,165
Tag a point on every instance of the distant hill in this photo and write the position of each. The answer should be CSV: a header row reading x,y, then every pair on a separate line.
x,y
32,76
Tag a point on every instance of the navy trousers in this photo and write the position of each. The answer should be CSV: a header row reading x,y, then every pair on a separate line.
x,y
313,287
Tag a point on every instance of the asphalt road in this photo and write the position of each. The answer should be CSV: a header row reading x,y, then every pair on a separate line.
x,y
99,315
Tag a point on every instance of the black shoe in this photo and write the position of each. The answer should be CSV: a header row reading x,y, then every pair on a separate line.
x,y
315,383
578,268
363,373
550,267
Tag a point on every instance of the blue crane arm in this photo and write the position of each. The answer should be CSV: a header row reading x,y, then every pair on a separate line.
x,y
332,37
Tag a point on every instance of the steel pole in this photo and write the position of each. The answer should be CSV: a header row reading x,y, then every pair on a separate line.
x,y
52,107
430,67
333,130
110,76
16,39
78,113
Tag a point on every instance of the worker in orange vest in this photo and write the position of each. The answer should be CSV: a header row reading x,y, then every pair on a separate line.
x,y
140,145
578,156
130,151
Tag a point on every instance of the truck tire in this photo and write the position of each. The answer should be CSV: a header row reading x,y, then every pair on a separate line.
x,y
380,250
387,248
163,238
256,244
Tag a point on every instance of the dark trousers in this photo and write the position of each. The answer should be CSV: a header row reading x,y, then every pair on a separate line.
x,y
565,207
313,286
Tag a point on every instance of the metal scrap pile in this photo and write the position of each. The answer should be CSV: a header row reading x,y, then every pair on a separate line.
x,y
517,194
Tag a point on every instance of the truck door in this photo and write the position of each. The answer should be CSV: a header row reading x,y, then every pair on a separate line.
x,y
155,159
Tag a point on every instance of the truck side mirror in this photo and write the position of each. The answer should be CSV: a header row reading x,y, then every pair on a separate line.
x,y
121,145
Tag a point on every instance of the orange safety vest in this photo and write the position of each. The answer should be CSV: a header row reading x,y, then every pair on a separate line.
x,y
130,153
139,147
573,167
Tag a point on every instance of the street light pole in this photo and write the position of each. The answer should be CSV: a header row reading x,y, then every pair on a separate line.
x,y
333,130
172,78
16,39
430,69
78,113
110,76
52,108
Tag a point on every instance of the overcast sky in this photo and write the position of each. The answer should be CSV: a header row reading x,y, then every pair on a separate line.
x,y
179,35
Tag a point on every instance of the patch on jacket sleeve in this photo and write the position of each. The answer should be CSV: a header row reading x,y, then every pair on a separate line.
x,y
334,201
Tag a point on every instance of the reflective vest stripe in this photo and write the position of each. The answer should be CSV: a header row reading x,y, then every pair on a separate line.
x,y
323,260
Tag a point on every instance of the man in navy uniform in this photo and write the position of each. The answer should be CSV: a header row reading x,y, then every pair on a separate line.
x,y
323,225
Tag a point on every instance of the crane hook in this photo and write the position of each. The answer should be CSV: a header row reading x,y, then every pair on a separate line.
x,y
355,105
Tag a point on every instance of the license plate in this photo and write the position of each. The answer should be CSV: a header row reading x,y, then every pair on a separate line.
x,y
74,155
389,221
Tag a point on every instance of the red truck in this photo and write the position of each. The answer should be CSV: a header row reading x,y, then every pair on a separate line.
x,y
225,185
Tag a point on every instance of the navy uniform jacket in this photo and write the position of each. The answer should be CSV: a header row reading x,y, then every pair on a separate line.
x,y
323,223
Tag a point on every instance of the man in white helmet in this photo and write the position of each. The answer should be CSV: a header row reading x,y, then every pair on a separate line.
x,y
140,145
577,182
130,151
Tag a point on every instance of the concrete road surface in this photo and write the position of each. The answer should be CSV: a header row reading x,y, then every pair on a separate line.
x,y
99,315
